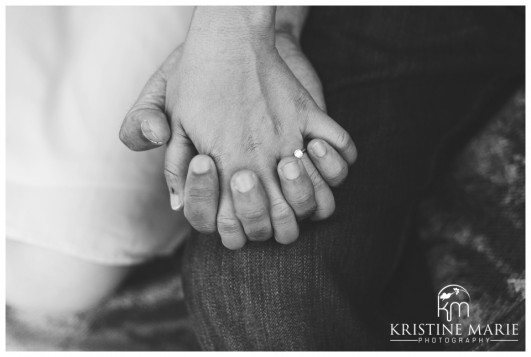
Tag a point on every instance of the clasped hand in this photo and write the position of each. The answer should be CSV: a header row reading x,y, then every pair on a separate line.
x,y
242,111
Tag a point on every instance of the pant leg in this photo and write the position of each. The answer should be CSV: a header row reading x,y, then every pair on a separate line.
x,y
406,83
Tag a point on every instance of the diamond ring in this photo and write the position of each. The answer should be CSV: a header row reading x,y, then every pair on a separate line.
x,y
299,153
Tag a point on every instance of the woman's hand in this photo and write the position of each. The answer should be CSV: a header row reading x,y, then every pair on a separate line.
x,y
243,106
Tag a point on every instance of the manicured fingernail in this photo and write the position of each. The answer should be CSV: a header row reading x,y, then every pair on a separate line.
x,y
291,170
319,149
200,165
176,202
243,182
149,134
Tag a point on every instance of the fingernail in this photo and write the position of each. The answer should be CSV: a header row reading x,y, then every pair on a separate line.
x,y
176,202
148,133
291,170
200,165
319,149
243,182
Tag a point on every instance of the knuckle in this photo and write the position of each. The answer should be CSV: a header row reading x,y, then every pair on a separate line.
x,y
306,198
200,195
317,180
171,176
254,215
313,174
304,205
252,143
170,167
281,212
174,171
149,102
228,225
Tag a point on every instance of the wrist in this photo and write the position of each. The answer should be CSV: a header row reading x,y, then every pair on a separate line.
x,y
233,24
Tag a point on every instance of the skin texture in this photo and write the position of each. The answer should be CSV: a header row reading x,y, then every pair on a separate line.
x,y
247,107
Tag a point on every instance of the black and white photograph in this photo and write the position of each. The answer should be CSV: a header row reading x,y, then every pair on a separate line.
x,y
241,177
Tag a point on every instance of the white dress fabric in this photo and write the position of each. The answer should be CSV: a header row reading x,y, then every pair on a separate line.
x,y
72,186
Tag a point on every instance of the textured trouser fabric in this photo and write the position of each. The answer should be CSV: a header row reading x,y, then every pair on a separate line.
x,y
409,84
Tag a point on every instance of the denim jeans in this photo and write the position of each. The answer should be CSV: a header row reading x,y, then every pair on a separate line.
x,y
410,84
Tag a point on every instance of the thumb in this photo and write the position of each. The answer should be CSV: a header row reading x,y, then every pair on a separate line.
x,y
179,153
318,125
146,126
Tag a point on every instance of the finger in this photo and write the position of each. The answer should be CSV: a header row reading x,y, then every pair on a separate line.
x,y
325,203
301,67
251,205
229,227
320,125
178,155
329,163
297,186
201,194
146,126
283,219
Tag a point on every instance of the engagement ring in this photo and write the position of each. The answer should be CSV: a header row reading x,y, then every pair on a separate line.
x,y
299,153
